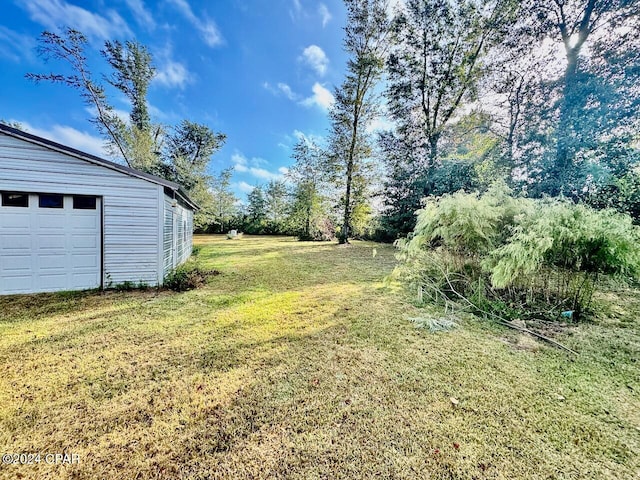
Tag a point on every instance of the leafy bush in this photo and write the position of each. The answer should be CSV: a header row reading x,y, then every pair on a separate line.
x,y
511,255
467,224
128,286
562,249
321,229
188,277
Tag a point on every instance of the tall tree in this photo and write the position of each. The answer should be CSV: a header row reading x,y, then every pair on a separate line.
x,y
436,60
256,210
70,48
597,90
224,204
181,154
307,210
435,63
132,73
276,200
186,159
189,150
355,106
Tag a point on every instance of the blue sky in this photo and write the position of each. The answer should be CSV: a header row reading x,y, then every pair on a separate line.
x,y
261,71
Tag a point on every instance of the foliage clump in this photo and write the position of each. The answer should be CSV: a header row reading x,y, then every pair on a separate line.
x,y
514,256
188,276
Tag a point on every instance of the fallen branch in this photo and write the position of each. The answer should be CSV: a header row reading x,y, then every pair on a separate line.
x,y
502,321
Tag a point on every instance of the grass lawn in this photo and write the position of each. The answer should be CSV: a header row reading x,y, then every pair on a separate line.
x,y
298,362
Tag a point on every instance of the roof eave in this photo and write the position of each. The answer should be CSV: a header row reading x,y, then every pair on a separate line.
x,y
87,157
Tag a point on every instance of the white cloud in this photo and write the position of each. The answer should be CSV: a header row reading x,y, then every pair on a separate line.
x,y
249,166
245,187
315,57
308,138
207,28
121,114
53,13
141,14
239,159
264,174
325,14
15,46
380,124
68,136
321,97
283,170
173,74
296,12
286,89
282,89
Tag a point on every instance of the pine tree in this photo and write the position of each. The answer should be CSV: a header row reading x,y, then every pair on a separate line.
x,y
356,103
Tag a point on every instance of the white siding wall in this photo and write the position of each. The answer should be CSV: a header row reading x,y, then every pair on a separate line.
x,y
167,240
177,234
131,205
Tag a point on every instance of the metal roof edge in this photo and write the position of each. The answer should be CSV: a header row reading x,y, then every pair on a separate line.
x,y
28,137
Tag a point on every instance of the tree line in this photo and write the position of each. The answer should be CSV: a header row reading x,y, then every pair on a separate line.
x,y
542,95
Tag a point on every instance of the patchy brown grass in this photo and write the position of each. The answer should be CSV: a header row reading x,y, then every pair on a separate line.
x,y
297,362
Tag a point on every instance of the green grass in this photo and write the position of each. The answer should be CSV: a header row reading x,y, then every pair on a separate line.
x,y
298,362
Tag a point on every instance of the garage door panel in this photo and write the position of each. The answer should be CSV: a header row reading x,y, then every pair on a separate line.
x,y
16,242
47,249
84,221
84,241
53,282
51,222
20,222
81,280
52,261
15,263
84,261
47,241
16,283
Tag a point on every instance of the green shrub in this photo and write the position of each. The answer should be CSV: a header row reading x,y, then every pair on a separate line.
x,y
562,249
188,277
128,286
466,224
513,256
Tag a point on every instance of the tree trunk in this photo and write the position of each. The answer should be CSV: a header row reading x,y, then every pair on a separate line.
x,y
344,232
570,91
433,158
563,149
307,227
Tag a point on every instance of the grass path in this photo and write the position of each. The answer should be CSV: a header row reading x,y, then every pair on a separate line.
x,y
297,362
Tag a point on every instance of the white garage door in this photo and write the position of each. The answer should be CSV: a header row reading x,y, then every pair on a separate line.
x,y
49,243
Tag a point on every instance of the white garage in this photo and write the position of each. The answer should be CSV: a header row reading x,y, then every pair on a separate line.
x,y
73,221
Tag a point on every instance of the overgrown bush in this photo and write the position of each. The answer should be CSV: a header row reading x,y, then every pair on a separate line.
x,y
321,229
561,249
514,256
188,277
